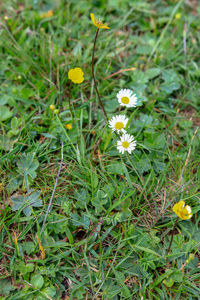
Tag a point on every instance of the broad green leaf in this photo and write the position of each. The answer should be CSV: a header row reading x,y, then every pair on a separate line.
x,y
152,73
37,281
28,164
26,202
115,168
4,99
6,287
6,143
5,113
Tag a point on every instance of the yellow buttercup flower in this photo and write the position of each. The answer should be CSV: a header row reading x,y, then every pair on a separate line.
x,y
76,75
183,211
98,23
68,126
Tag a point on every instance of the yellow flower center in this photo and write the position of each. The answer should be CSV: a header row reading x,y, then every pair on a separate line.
x,y
125,100
125,144
119,125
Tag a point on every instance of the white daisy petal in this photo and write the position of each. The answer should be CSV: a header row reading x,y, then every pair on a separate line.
x,y
127,98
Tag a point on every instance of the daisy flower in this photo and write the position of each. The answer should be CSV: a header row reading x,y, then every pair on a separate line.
x,y
126,143
118,123
127,98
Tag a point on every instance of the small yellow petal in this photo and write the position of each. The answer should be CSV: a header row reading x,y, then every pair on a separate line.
x,y
93,19
104,27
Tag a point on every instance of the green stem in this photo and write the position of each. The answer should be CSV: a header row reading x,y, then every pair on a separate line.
x,y
93,75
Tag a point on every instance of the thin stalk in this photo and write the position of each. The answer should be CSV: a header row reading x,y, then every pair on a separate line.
x,y
172,236
54,189
93,75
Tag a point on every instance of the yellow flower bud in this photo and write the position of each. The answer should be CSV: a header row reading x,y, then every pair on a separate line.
x,y
177,16
52,107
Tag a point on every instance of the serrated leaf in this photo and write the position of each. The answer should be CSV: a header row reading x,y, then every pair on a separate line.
x,y
28,164
26,202
5,287
28,247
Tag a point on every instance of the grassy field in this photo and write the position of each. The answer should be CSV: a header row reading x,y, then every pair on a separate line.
x,y
79,220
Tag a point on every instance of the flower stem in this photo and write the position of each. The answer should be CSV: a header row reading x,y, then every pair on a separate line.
x,y
172,236
93,75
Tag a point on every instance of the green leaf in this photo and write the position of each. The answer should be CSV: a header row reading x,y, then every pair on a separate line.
x,y
152,73
15,123
168,282
28,247
4,99
26,202
6,143
14,184
147,250
24,268
5,113
172,81
115,168
5,287
49,291
37,281
28,165
82,197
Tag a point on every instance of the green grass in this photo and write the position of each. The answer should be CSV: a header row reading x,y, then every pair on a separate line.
x,y
111,221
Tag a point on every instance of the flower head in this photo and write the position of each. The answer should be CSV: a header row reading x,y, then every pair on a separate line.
x,y
52,107
76,75
127,98
183,211
68,126
98,23
118,123
126,143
